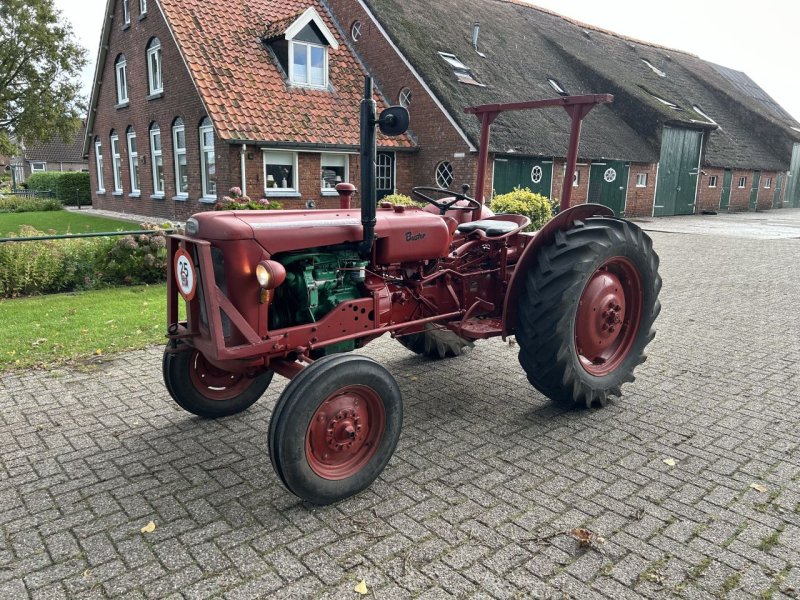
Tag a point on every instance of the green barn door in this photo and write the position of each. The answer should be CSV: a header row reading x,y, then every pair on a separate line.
x,y
792,197
754,190
677,172
608,185
776,198
534,174
725,201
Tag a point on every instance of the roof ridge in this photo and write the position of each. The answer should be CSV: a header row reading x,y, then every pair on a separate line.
x,y
597,28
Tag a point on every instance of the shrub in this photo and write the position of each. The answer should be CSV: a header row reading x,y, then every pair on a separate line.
x,y
522,201
401,200
133,259
67,186
21,204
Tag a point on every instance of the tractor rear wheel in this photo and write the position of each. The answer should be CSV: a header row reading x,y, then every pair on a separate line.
x,y
587,312
435,342
206,391
335,427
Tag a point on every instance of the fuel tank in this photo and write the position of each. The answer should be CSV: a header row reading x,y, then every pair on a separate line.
x,y
403,234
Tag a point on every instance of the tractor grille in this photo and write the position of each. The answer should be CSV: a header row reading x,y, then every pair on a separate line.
x,y
218,262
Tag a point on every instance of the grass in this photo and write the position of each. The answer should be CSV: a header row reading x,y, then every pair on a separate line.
x,y
61,221
48,330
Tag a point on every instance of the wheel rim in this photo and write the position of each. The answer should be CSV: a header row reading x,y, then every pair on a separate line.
x,y
608,317
215,383
345,432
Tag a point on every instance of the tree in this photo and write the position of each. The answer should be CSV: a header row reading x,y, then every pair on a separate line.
x,y
40,66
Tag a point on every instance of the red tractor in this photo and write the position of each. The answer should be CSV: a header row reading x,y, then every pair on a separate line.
x,y
293,291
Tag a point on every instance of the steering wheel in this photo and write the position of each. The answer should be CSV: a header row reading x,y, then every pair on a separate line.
x,y
445,206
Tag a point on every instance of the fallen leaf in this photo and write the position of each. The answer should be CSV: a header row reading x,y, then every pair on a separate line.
x,y
586,537
98,352
758,487
670,462
149,528
361,588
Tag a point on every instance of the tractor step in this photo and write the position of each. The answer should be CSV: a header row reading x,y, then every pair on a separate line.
x,y
479,327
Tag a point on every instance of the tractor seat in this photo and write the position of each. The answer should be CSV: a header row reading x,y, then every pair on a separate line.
x,y
490,227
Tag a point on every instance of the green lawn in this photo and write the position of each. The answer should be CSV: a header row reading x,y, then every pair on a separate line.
x,y
48,330
61,221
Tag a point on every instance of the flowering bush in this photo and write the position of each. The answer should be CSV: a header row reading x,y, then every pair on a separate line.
x,y
136,258
522,201
239,202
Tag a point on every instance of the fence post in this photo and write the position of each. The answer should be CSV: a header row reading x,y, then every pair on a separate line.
x,y
78,198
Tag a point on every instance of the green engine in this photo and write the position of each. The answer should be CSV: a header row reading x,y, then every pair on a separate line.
x,y
315,283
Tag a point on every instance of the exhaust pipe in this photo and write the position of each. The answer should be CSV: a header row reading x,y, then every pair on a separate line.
x,y
368,157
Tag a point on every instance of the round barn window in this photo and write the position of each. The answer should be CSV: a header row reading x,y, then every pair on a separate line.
x,y
444,174
405,97
355,30
536,174
610,175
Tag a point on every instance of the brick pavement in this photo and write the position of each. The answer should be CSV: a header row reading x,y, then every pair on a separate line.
x,y
485,481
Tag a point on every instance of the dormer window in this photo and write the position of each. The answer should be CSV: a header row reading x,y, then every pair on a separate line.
x,y
462,72
301,45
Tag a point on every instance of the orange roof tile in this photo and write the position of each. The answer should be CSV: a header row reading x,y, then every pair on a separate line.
x,y
242,86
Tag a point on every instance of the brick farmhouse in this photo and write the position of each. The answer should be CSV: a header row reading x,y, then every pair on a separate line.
x,y
192,98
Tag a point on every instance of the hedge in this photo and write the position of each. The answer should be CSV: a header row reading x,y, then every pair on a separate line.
x,y
67,185
522,201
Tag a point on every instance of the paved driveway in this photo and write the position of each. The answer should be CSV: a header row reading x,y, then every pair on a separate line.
x,y
485,484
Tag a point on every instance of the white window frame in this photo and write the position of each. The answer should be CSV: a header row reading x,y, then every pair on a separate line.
x,y
338,158
142,7
205,150
443,171
116,165
292,187
121,68
177,128
712,181
126,12
405,97
133,164
641,180
307,48
767,183
356,31
576,178
42,167
156,154
98,161
556,86
155,77
742,182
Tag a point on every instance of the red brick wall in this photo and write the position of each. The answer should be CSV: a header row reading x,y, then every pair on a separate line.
x,y
179,100
766,195
438,139
740,197
580,193
639,202
708,198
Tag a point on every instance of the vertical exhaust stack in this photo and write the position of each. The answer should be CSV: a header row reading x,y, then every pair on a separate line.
x,y
368,156
476,32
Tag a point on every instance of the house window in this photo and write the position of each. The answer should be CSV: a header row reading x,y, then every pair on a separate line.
x,y
462,72
38,167
557,87
654,68
179,149
333,168
157,162
154,73
405,97
116,165
308,64
133,161
767,183
126,11
641,180
576,179
122,79
742,182
444,174
208,164
712,181
280,172
98,157
355,31
142,7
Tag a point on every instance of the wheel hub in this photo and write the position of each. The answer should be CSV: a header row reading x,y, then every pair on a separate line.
x,y
608,315
343,430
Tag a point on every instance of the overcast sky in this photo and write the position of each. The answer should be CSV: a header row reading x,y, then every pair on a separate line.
x,y
757,38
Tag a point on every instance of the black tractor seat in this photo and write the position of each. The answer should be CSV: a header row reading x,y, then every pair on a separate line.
x,y
490,228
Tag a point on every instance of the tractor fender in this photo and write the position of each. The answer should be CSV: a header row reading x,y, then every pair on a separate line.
x,y
544,237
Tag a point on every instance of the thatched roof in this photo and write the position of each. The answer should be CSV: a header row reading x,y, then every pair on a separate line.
x,y
524,46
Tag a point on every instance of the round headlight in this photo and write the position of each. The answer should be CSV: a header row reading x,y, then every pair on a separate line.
x,y
262,274
270,274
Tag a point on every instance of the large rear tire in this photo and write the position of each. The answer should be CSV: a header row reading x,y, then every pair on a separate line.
x,y
435,343
206,391
587,311
335,427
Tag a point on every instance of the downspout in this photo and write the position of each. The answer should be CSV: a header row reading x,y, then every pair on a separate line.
x,y
243,169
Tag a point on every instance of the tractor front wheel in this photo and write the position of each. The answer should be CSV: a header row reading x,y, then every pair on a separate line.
x,y
587,312
335,427
206,391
